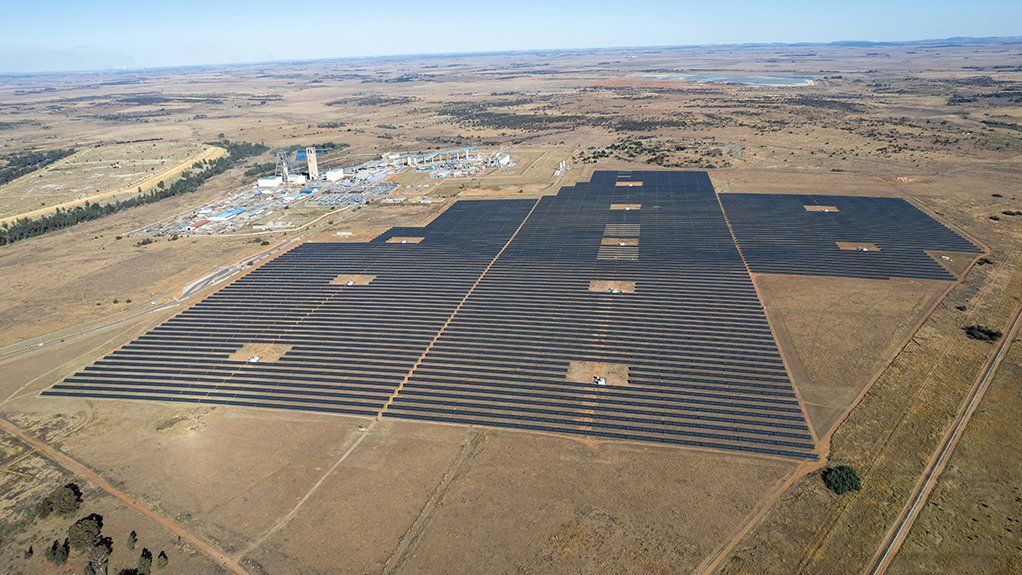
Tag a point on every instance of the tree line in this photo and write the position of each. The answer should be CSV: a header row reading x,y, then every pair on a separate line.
x,y
187,183
18,164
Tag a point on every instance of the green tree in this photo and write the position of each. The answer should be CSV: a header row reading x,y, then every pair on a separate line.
x,y
67,499
63,501
841,479
99,556
145,562
132,540
85,533
162,559
57,553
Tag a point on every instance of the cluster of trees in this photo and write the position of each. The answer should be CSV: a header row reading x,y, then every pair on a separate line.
x,y
187,183
19,164
260,169
982,333
842,479
63,501
86,537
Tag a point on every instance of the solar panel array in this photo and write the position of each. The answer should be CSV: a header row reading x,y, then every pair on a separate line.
x,y
351,345
777,234
634,276
702,367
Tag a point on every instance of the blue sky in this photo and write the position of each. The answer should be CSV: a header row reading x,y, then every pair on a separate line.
x,y
43,35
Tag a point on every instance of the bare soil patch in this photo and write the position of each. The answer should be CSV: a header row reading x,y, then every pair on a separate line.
x,y
266,352
353,279
616,374
858,246
825,209
619,241
604,286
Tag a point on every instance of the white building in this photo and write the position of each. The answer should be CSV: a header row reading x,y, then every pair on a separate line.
x,y
270,182
334,175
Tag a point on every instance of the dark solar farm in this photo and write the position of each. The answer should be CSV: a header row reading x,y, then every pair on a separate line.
x,y
620,309
799,234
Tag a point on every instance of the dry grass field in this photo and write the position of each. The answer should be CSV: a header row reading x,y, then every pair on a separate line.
x,y
275,491
971,523
99,173
838,332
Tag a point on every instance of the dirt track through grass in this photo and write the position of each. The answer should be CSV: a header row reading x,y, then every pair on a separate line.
x,y
84,472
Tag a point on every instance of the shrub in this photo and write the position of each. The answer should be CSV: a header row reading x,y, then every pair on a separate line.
x,y
145,562
982,333
984,261
57,553
63,501
84,534
132,539
841,479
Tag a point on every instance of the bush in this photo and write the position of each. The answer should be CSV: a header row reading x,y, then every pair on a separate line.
x,y
841,479
145,562
982,333
57,553
85,533
984,261
63,501
132,539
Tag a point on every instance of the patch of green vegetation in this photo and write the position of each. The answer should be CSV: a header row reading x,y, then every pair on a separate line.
x,y
63,501
261,169
841,479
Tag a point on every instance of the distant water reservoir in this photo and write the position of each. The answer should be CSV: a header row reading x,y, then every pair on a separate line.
x,y
743,80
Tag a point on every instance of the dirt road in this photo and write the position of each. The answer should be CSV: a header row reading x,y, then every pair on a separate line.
x,y
84,472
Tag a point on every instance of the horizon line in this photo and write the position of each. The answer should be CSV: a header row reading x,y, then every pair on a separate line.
x,y
470,53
